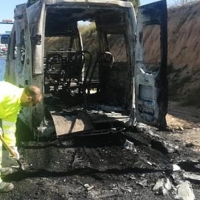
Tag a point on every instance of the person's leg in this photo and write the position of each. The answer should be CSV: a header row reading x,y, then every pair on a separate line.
x,y
4,187
1,155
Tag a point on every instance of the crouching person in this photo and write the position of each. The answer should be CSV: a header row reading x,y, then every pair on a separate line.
x,y
12,99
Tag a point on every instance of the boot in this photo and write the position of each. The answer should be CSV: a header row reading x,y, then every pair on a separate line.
x,y
6,171
6,187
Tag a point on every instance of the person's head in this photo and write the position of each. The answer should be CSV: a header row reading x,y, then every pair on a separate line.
x,y
31,96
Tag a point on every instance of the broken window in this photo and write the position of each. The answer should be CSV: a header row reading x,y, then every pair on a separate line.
x,y
117,45
14,46
22,50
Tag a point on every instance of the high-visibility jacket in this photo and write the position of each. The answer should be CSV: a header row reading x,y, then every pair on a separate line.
x,y
9,108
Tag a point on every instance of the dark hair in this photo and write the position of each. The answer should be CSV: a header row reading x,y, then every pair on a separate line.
x,y
34,92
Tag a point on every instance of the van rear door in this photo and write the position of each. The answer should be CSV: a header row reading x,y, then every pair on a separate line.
x,y
151,65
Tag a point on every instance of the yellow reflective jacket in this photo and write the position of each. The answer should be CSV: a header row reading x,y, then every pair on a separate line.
x,y
9,108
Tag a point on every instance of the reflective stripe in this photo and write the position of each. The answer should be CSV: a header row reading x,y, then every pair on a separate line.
x,y
1,152
7,123
9,132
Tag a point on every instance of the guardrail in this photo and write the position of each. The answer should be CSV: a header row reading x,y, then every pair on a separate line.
x,y
6,22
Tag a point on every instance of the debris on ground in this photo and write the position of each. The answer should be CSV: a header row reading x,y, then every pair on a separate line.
x,y
141,164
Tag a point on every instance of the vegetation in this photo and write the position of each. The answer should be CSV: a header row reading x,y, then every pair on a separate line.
x,y
191,99
136,4
170,68
184,2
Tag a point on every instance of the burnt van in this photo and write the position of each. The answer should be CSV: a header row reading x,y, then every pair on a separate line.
x,y
87,56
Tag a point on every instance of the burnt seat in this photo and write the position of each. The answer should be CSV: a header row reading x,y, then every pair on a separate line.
x,y
54,63
97,75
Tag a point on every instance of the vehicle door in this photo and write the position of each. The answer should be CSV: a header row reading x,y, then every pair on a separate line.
x,y
23,53
151,97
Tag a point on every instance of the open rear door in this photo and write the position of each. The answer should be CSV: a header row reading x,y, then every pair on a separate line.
x,y
151,77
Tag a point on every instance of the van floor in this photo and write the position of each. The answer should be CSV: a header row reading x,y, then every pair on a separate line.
x,y
124,165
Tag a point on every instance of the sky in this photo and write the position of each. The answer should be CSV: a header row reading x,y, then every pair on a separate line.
x,y
7,10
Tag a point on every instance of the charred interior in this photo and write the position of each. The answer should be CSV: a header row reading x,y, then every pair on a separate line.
x,y
86,89
88,59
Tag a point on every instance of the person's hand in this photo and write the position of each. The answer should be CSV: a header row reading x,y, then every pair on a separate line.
x,y
15,151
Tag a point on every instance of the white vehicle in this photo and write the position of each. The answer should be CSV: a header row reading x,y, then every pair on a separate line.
x,y
93,90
